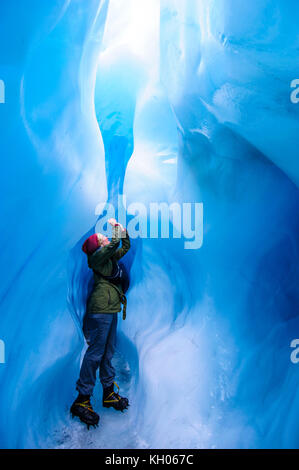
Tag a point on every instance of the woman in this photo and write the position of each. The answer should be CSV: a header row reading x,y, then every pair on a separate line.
x,y
100,321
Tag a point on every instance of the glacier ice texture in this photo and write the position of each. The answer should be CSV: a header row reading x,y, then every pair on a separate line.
x,y
161,101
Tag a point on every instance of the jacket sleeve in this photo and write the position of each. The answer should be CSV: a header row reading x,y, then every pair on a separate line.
x,y
126,245
97,259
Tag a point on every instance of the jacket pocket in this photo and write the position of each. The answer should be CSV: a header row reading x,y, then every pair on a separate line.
x,y
109,297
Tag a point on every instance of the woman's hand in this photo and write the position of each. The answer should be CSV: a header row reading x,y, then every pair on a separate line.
x,y
114,223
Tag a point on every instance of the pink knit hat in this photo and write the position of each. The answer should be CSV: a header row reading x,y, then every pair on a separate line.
x,y
91,244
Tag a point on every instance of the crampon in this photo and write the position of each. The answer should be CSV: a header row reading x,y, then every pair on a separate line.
x,y
112,398
83,410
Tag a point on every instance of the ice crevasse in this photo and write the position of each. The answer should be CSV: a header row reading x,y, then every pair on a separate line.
x,y
160,101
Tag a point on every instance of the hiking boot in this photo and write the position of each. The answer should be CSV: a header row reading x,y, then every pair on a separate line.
x,y
83,409
112,398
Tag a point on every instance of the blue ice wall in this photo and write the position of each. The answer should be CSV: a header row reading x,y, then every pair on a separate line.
x,y
200,111
53,178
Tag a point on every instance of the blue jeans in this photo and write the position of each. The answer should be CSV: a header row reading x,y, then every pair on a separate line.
x,y
100,333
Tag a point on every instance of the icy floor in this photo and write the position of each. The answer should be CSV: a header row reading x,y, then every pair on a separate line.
x,y
116,429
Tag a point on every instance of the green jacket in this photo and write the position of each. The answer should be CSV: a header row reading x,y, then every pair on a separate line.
x,y
105,297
